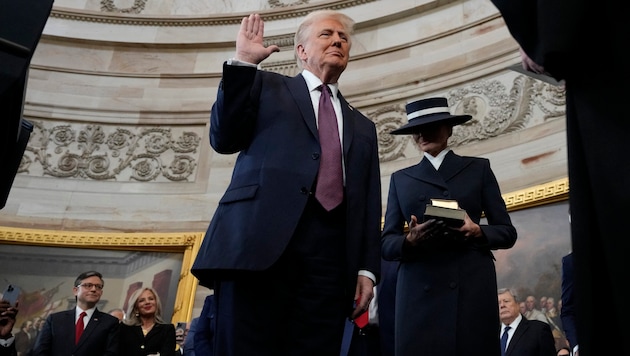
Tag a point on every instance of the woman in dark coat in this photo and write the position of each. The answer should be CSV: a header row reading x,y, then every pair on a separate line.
x,y
446,285
144,332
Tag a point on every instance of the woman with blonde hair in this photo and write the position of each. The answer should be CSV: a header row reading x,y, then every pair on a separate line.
x,y
144,332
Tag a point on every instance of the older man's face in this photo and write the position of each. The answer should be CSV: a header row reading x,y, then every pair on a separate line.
x,y
508,308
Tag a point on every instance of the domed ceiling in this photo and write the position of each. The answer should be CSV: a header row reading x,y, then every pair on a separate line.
x,y
120,93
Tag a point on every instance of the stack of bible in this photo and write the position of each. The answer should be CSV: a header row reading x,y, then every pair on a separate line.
x,y
445,210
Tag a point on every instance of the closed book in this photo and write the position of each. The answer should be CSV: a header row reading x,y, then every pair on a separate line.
x,y
452,217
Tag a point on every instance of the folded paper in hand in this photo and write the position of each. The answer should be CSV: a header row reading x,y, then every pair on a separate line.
x,y
445,210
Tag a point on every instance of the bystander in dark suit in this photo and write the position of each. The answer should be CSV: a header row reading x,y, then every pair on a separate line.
x,y
445,288
285,263
203,333
7,321
585,43
100,335
526,337
569,307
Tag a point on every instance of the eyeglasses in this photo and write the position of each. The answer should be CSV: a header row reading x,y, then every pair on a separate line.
x,y
89,286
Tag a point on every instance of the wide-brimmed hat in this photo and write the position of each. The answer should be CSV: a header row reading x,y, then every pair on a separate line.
x,y
428,111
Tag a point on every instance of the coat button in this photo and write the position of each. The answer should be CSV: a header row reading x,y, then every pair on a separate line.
x,y
303,190
315,156
142,346
453,285
427,288
445,193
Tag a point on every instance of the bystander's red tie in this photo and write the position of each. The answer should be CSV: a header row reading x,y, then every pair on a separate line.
x,y
79,328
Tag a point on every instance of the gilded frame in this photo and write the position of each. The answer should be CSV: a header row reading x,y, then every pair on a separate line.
x,y
186,243
547,193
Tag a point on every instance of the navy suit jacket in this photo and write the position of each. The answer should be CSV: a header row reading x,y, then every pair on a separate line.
x,y
531,338
568,311
100,337
269,119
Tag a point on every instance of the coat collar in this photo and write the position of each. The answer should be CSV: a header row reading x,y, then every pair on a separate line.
x,y
450,167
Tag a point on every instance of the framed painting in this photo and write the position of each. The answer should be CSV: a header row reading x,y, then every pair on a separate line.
x,y
44,265
533,266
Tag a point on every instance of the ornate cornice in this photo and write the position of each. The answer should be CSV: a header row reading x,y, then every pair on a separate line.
x,y
111,15
103,152
496,110
547,193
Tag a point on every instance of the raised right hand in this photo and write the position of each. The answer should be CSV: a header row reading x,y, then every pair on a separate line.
x,y
249,42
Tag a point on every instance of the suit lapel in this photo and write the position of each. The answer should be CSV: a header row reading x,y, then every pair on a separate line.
x,y
91,326
452,165
520,330
348,113
424,171
299,91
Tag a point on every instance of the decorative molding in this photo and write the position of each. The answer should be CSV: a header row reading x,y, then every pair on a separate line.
x,y
109,6
547,193
495,108
387,119
280,3
288,67
100,152
112,15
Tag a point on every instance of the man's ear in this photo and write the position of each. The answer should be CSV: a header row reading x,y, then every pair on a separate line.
x,y
301,52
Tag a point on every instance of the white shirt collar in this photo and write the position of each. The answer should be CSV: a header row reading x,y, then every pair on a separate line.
x,y
312,82
437,161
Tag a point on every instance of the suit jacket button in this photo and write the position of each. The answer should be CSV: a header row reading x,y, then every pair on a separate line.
x,y
142,346
445,194
315,156
303,190
427,288
453,285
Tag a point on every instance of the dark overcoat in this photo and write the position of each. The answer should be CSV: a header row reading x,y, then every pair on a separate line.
x,y
446,291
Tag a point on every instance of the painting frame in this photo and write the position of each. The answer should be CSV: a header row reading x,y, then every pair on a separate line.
x,y
185,243
541,194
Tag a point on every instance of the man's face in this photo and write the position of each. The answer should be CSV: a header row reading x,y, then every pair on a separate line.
x,y
88,292
530,302
508,308
326,48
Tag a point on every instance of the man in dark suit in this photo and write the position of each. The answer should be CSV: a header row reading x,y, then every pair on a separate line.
x,y
446,283
7,321
200,338
100,333
524,337
568,311
286,257
591,60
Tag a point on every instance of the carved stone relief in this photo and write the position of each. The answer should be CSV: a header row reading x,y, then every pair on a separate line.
x,y
284,3
495,108
136,8
101,152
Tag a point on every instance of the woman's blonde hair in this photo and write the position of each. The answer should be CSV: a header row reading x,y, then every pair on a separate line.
x,y
133,315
